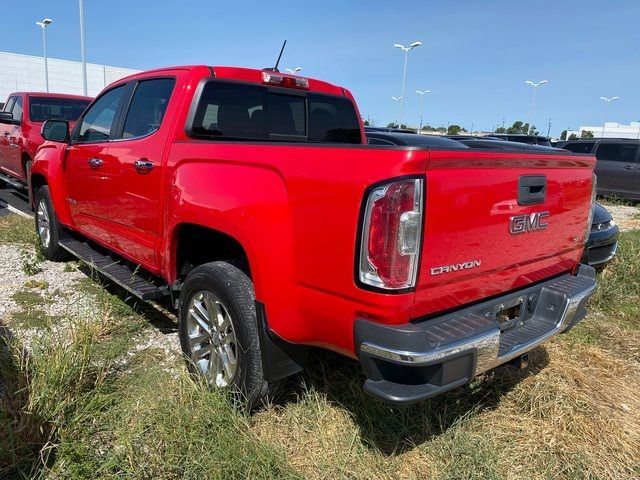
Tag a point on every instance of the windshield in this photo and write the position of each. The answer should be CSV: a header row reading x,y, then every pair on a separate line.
x,y
235,111
44,108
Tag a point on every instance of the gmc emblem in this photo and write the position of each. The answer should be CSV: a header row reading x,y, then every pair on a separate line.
x,y
527,222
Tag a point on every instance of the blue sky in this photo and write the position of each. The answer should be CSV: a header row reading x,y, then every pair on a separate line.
x,y
475,57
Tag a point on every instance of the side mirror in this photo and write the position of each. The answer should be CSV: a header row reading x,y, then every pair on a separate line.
x,y
55,130
7,117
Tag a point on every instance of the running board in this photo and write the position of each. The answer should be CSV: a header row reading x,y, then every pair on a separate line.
x,y
113,269
11,182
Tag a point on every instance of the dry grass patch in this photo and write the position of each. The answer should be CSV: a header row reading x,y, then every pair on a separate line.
x,y
574,413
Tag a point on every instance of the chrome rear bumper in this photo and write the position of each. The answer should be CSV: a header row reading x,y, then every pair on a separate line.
x,y
412,362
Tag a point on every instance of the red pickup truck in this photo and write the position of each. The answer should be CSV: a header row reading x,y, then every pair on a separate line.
x,y
251,199
20,124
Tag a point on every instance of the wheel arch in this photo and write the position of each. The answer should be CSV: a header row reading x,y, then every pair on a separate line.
x,y
194,244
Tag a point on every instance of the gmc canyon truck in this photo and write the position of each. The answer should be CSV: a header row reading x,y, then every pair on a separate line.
x,y
251,198
20,125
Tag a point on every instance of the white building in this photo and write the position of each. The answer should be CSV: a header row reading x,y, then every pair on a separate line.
x,y
25,73
611,130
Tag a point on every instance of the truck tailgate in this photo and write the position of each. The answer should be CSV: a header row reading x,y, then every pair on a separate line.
x,y
480,240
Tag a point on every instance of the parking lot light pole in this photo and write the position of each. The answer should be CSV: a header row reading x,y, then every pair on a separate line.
x,y
83,49
43,25
535,86
404,74
397,99
422,93
293,71
606,111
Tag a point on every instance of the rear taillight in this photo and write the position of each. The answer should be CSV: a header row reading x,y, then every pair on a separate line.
x,y
391,233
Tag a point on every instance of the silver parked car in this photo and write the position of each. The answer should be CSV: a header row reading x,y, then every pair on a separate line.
x,y
618,166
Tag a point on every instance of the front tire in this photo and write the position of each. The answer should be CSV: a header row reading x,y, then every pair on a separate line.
x,y
47,226
219,331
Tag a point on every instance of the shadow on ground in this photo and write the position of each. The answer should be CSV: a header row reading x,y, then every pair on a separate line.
x,y
394,430
159,314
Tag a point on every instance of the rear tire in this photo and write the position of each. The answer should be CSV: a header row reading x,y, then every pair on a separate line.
x,y
47,227
219,331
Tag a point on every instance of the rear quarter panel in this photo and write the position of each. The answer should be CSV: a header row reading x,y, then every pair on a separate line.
x,y
295,209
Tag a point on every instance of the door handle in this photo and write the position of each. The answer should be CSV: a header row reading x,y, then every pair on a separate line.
x,y
95,162
143,165
628,167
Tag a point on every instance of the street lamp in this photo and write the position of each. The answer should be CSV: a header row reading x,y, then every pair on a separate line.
x,y
397,99
293,71
535,86
82,48
606,113
422,93
404,74
44,24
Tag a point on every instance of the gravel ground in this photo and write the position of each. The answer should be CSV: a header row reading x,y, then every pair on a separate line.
x,y
627,217
57,284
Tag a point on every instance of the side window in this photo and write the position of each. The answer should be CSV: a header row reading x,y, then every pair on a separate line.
x,y
97,123
617,152
17,109
579,147
9,105
148,107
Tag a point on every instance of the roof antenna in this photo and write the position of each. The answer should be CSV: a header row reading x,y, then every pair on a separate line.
x,y
275,69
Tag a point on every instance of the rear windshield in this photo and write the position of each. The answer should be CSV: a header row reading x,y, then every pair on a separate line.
x,y
233,111
43,108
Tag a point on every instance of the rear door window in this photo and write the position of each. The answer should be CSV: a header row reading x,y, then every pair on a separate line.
x,y
579,147
234,111
148,106
617,152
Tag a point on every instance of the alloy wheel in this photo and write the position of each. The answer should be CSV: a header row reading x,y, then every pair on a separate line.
x,y
212,339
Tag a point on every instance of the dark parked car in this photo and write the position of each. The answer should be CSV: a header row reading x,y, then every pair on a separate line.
x,y
369,128
521,138
603,239
499,144
618,167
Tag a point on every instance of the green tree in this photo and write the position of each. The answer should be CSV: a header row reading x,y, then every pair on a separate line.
x,y
563,135
586,134
521,128
454,130
366,123
573,136
500,130
392,125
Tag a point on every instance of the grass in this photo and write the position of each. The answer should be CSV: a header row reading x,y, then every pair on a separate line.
x,y
614,200
82,407
90,404
17,230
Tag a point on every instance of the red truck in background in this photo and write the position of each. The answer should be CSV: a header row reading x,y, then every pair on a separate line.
x,y
20,124
251,198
